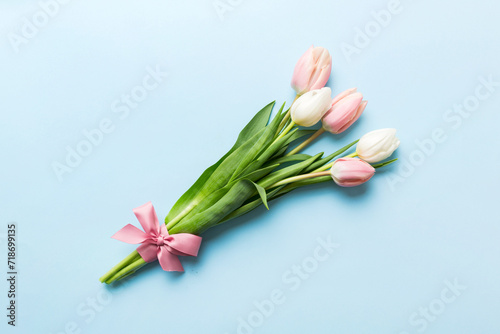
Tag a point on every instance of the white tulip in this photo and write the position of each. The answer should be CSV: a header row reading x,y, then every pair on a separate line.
x,y
310,107
377,145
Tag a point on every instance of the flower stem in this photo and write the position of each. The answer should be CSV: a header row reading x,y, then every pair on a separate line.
x,y
306,142
287,116
299,178
127,270
125,262
294,185
285,131
284,121
328,166
352,155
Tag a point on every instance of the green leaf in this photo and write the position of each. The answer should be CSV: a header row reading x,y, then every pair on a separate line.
x,y
256,124
217,180
260,146
204,203
299,134
247,207
215,196
183,202
222,175
262,194
260,173
280,152
286,172
262,159
238,193
382,164
307,182
276,146
290,158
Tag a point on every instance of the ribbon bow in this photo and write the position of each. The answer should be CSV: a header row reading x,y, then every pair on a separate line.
x,y
156,242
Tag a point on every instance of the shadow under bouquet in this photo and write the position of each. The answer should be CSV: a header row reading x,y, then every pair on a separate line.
x,y
264,164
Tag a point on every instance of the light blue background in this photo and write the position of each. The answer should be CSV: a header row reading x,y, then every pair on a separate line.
x,y
398,244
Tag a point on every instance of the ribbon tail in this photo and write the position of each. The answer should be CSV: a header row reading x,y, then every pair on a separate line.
x,y
130,234
147,251
168,261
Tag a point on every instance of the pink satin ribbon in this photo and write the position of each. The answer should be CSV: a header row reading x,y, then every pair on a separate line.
x,y
156,242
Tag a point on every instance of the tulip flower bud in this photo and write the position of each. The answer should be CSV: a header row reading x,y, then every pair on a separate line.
x,y
345,110
377,145
312,70
350,172
308,109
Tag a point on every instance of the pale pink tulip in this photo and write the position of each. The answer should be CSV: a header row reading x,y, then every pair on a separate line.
x,y
345,110
350,172
312,70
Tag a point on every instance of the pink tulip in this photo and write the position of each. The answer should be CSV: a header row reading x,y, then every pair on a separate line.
x,y
345,110
312,70
350,172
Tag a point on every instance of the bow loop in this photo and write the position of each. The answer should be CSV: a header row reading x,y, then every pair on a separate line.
x,y
130,234
186,244
146,215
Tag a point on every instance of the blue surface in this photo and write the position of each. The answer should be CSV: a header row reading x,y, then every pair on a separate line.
x,y
402,240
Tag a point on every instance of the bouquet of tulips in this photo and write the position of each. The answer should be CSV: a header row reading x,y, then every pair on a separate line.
x,y
265,163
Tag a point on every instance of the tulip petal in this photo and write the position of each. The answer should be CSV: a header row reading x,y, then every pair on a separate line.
x,y
355,117
343,113
322,69
302,72
343,94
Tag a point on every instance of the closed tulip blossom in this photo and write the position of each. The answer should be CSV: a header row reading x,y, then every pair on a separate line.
x,y
310,107
377,145
345,110
350,172
312,70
